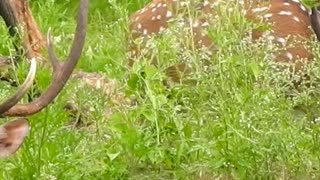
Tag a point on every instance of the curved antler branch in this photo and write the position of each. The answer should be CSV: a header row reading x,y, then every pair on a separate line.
x,y
22,90
61,74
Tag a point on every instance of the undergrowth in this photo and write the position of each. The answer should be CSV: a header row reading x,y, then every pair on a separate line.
x,y
239,120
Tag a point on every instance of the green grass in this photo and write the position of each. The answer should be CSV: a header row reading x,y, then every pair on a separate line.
x,y
241,120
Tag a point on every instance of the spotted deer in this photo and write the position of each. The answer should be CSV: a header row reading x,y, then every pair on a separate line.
x,y
12,134
289,22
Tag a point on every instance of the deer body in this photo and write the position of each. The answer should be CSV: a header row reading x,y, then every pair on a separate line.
x,y
289,21
290,29
154,19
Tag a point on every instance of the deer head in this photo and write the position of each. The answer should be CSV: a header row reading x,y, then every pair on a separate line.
x,y
289,22
13,133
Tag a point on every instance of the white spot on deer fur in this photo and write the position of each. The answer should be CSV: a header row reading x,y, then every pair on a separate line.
x,y
270,37
287,13
296,1
137,18
159,5
152,5
161,29
143,10
205,24
153,9
256,10
169,14
280,40
289,55
153,18
296,18
269,15
139,26
164,5
196,24
145,32
286,4
303,8
159,17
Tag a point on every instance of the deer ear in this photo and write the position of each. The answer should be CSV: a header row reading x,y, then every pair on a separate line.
x,y
12,135
315,21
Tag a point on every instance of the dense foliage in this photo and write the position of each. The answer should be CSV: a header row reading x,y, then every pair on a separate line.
x,y
240,120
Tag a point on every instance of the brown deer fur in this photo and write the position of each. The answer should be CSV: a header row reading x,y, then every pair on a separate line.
x,y
289,23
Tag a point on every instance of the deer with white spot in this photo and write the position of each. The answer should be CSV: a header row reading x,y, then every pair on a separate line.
x,y
289,20
12,134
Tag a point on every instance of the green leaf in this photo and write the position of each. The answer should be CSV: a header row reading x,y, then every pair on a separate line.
x,y
151,72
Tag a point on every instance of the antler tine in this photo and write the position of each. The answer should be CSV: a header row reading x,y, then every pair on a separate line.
x,y
52,55
22,90
61,71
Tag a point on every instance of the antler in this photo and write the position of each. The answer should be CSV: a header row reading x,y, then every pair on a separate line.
x,y
22,90
61,71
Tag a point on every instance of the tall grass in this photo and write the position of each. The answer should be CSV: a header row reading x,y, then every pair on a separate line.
x,y
240,120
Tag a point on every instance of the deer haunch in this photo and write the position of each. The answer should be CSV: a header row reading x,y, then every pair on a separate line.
x,y
289,26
